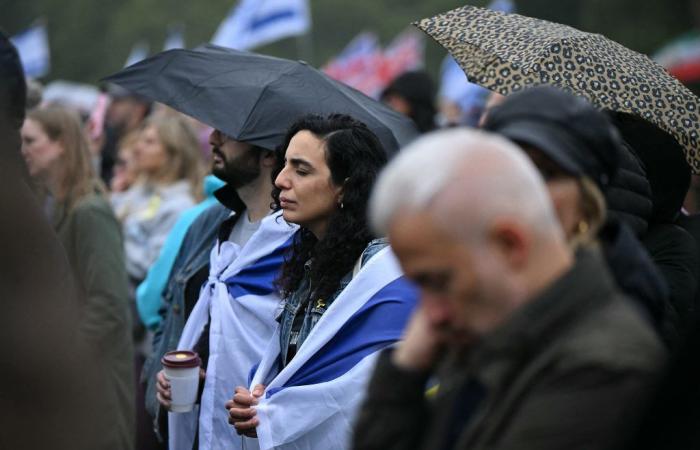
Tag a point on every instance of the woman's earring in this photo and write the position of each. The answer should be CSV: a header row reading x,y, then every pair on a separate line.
x,y
582,227
342,205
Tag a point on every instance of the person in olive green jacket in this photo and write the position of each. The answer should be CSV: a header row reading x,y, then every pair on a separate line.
x,y
533,344
58,159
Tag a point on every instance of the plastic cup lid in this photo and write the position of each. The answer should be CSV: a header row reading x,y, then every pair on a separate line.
x,y
181,359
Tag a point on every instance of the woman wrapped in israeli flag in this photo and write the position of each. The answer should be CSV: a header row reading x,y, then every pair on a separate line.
x,y
344,294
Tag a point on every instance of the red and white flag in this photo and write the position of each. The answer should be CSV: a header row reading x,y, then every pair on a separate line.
x,y
364,66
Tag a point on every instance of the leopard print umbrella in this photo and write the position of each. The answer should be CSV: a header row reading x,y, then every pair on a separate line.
x,y
508,52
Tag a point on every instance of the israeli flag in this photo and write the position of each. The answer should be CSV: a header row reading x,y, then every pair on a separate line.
x,y
312,402
253,23
506,6
240,302
139,52
175,39
33,48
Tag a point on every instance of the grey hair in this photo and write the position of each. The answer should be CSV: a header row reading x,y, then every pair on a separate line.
x,y
477,174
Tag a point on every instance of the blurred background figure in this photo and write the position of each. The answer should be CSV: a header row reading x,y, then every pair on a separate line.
x,y
168,181
50,385
125,172
125,114
34,93
58,159
202,130
459,102
167,158
492,100
413,94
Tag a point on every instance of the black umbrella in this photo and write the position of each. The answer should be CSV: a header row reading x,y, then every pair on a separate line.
x,y
255,98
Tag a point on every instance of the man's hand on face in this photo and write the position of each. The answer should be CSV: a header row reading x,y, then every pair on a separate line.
x,y
241,412
421,347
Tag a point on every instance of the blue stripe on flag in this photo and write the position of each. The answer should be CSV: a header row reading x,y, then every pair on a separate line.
x,y
380,322
275,17
259,277
251,372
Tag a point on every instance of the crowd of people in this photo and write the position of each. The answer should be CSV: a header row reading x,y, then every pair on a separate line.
x,y
531,283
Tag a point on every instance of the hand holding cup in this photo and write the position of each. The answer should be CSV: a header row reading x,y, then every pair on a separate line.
x,y
178,382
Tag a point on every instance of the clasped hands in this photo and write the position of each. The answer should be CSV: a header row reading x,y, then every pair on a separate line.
x,y
241,411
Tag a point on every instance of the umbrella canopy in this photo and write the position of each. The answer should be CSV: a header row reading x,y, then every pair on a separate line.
x,y
508,52
255,98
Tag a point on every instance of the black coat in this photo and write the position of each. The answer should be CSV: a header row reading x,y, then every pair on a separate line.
x,y
675,253
571,369
634,271
647,195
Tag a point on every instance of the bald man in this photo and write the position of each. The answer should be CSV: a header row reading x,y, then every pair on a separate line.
x,y
534,347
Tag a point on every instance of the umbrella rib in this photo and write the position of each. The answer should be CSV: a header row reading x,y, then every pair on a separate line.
x,y
262,93
171,98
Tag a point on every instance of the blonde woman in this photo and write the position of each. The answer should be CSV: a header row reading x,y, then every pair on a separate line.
x,y
167,158
58,160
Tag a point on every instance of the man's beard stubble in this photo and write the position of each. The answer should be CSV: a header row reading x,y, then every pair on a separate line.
x,y
240,171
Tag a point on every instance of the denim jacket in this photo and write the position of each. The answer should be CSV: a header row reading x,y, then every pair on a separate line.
x,y
192,257
315,308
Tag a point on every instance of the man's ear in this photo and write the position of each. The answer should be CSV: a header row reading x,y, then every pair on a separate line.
x,y
511,241
268,158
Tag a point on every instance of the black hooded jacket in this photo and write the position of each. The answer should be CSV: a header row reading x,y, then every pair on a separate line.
x,y
629,195
634,271
647,196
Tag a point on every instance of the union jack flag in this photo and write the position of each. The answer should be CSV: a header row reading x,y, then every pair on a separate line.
x,y
364,66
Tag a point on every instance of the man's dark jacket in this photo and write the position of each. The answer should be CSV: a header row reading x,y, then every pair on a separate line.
x,y
569,370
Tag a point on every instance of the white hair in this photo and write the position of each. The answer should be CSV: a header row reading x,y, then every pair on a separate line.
x,y
462,176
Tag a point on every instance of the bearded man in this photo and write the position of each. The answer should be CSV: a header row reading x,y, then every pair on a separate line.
x,y
214,255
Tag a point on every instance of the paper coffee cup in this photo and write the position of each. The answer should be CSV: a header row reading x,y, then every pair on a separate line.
x,y
181,368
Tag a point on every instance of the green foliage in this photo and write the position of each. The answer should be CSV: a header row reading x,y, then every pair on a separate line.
x,y
90,39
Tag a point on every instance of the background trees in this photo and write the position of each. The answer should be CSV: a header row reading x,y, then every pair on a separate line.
x,y
90,39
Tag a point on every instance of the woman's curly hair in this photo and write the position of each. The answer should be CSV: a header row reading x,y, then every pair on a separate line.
x,y
354,156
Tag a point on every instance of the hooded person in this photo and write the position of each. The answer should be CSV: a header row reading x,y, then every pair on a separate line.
x,y
413,94
577,150
649,197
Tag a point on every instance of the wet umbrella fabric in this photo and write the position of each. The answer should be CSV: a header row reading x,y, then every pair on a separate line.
x,y
508,52
252,97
